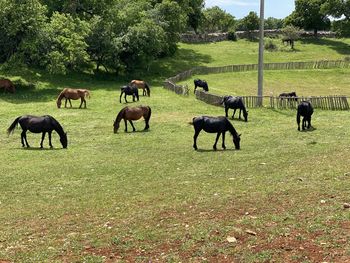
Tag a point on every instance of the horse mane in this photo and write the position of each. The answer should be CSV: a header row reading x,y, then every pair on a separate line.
x,y
58,127
120,115
61,95
231,129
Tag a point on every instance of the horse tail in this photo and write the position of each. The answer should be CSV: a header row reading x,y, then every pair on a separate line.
x,y
148,89
149,114
13,126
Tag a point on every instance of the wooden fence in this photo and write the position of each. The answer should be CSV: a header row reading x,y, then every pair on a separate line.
x,y
322,102
327,64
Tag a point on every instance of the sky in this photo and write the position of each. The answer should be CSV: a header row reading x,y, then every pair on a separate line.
x,y
241,8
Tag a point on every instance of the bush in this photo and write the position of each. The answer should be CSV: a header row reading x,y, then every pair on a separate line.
x,y
231,35
270,45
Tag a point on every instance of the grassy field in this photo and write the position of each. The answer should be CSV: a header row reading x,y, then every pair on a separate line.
x,y
303,82
148,196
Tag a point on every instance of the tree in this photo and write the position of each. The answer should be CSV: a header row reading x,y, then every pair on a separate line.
x,y
20,24
337,8
215,19
249,23
308,14
273,23
290,33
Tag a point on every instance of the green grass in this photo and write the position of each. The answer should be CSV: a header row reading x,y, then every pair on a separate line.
x,y
147,196
303,82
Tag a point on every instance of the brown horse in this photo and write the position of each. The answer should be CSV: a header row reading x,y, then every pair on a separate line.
x,y
132,114
73,94
7,85
140,84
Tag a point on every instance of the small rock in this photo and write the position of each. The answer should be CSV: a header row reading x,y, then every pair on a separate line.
x,y
323,201
231,239
250,232
346,205
300,179
262,163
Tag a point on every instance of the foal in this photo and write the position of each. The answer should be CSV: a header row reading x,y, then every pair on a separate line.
x,y
200,83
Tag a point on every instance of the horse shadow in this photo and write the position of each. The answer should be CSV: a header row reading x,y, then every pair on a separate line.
x,y
218,150
311,129
39,149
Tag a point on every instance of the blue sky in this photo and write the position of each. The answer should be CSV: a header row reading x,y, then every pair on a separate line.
x,y
241,8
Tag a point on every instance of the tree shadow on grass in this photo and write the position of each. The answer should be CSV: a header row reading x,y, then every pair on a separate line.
x,y
337,45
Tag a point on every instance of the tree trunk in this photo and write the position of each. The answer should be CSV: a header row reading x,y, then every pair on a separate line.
x,y
315,32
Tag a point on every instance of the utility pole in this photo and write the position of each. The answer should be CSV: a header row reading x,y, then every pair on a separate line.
x,y
261,55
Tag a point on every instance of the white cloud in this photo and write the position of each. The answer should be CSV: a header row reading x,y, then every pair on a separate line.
x,y
209,3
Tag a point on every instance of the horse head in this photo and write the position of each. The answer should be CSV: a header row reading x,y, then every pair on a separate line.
x,y
64,140
116,126
245,115
236,141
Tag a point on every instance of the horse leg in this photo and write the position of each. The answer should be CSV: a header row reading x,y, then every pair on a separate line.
x,y
196,133
65,102
298,121
216,140
234,112
50,139
226,111
146,121
126,125
240,113
81,102
133,127
70,103
125,98
304,123
223,141
24,135
42,139
309,120
144,92
84,103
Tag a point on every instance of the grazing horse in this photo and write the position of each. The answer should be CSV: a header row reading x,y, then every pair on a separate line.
x,y
200,83
73,94
44,124
217,125
305,109
129,90
132,114
288,96
7,85
235,103
140,84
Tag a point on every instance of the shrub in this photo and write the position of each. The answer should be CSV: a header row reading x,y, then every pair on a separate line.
x,y
231,35
270,45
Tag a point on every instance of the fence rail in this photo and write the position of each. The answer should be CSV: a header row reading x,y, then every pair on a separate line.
x,y
321,102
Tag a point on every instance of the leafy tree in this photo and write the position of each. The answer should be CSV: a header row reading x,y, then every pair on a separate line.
x,y
250,22
20,24
273,23
308,14
291,33
215,19
66,43
337,8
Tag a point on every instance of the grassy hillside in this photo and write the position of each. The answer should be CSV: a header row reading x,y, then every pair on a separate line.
x,y
148,196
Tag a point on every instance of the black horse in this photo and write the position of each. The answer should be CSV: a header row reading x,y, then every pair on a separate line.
x,y
217,125
44,124
288,96
305,109
235,103
200,83
129,90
